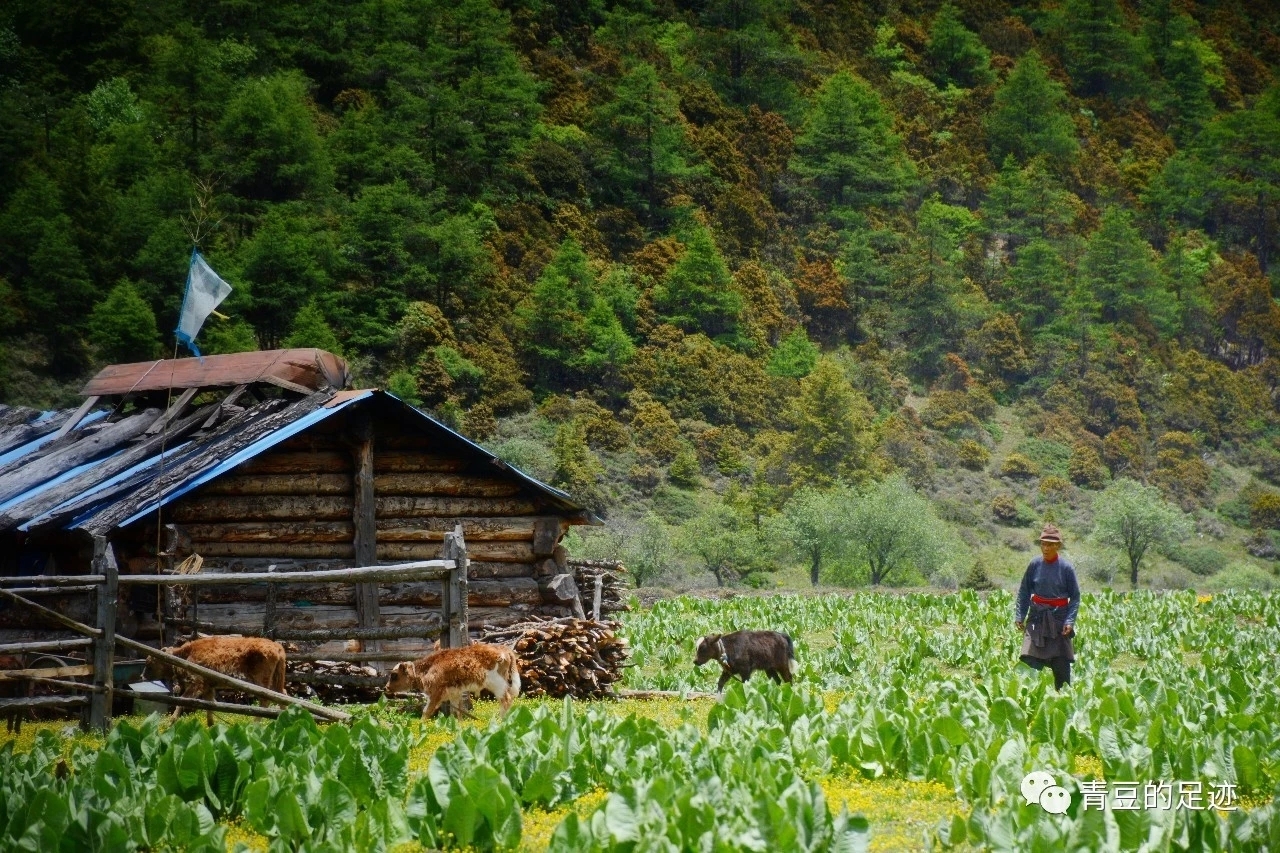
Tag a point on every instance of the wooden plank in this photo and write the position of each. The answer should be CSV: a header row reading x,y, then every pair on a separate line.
x,y
75,671
447,485
324,623
68,489
201,508
24,702
455,549
85,450
77,416
52,615
334,551
358,657
300,483
204,705
223,404
290,532
501,529
421,570
172,412
276,462
310,369
43,646
420,507
497,592
235,508
337,678
104,562
497,552
53,590
546,533
51,580
364,520
409,462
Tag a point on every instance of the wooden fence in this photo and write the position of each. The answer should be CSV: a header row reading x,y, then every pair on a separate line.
x,y
101,640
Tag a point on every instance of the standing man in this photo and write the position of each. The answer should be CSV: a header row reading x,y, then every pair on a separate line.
x,y
1051,593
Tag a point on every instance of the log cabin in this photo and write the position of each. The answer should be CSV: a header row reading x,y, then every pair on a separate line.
x,y
245,462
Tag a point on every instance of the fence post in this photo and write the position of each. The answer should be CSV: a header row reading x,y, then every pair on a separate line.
x,y
104,563
448,592
595,610
454,595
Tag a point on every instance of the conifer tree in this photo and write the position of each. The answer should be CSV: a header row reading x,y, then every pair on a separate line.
x,y
1028,117
958,55
697,294
311,329
1102,57
847,149
123,328
830,420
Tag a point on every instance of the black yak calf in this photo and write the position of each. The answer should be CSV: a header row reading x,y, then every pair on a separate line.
x,y
743,652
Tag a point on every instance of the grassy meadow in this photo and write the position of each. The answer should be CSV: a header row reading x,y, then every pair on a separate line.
x,y
909,727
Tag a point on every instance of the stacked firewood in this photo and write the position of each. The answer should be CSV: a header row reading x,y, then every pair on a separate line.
x,y
615,585
334,682
565,657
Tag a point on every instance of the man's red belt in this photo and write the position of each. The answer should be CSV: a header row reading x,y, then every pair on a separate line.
x,y
1049,602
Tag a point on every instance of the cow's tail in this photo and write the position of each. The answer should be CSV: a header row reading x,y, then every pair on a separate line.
x,y
791,654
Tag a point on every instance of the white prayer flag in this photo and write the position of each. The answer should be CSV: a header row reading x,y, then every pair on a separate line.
x,y
205,289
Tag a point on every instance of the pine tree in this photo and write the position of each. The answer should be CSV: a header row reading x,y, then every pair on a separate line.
x,y
830,421
310,329
1101,56
1028,118
958,55
697,294
645,145
1118,267
123,328
847,149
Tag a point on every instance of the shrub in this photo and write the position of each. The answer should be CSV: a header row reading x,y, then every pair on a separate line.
x,y
1242,576
1100,568
645,476
1018,466
479,423
972,455
532,457
685,470
977,577
1052,457
1054,489
1004,509
1264,511
1085,467
1202,560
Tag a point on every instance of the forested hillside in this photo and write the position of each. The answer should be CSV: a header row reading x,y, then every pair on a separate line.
x,y
736,272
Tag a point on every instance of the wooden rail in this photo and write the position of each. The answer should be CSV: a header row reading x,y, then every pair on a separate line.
x,y
105,581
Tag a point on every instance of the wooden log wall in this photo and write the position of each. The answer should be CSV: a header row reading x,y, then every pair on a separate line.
x,y
294,507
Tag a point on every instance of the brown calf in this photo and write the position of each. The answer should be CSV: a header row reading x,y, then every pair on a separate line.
x,y
251,659
448,673
743,652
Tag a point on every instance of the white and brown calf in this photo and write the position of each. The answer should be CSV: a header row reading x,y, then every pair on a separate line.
x,y
446,674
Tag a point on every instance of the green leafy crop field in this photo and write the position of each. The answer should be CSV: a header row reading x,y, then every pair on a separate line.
x,y
909,726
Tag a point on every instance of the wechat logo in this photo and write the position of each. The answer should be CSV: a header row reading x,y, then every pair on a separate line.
x,y
1042,789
